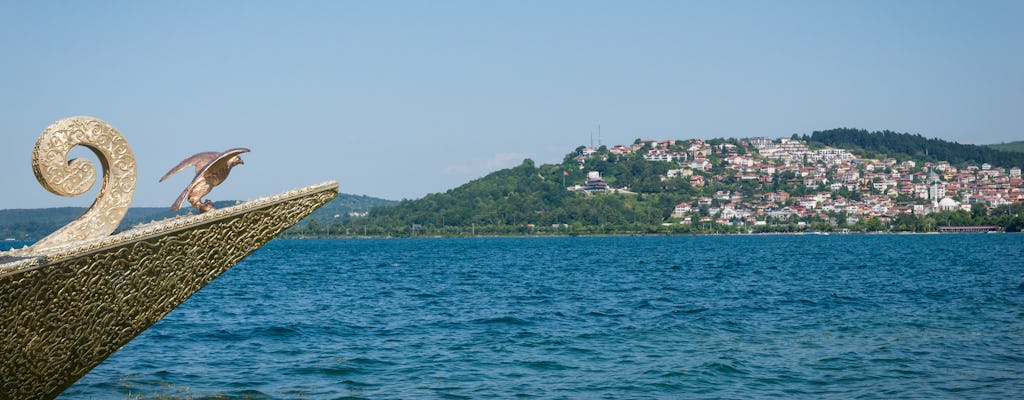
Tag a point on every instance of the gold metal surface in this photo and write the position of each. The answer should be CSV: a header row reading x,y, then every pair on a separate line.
x,y
59,176
62,313
77,296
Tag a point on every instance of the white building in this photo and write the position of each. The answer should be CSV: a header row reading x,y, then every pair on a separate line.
x,y
658,155
701,164
673,173
937,191
948,204
761,142
681,210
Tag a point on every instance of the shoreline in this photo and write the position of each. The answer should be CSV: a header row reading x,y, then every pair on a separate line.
x,y
360,237
21,243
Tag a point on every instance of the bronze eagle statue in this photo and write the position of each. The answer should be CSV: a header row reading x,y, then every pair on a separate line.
x,y
212,168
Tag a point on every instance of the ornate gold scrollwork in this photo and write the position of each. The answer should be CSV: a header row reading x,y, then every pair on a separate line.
x,y
75,177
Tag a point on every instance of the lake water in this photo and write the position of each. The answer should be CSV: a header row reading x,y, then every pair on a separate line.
x,y
840,316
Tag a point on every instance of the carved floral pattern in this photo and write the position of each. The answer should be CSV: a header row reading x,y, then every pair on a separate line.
x,y
78,295
59,176
64,311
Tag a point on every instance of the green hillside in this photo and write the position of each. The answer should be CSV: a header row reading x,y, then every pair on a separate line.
x,y
530,199
343,208
1017,146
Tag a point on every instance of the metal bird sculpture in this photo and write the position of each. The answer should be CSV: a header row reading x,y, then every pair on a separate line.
x,y
212,168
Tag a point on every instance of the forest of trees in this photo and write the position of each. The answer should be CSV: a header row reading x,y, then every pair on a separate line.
x,y
506,202
1017,146
910,146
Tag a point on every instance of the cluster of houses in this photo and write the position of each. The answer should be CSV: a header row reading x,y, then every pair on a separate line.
x,y
833,182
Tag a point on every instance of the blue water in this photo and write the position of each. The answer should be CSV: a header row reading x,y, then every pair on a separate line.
x,y
870,316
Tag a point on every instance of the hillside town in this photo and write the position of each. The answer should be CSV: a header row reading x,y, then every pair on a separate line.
x,y
785,180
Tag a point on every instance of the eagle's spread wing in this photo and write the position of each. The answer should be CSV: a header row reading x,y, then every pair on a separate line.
x,y
199,161
218,158
221,159
181,197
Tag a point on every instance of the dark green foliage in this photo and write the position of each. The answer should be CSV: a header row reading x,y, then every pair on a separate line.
x,y
339,208
910,146
1017,146
527,199
1009,217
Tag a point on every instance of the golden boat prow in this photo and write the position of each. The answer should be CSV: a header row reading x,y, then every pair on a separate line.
x,y
68,304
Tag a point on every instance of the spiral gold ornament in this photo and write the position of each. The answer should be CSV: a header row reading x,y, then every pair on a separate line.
x,y
75,177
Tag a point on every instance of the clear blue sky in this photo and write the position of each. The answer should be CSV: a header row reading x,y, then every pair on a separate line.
x,y
401,99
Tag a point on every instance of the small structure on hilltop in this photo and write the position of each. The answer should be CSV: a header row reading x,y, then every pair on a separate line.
x,y
595,183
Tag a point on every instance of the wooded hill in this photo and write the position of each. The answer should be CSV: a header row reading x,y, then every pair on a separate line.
x,y
1017,146
34,224
517,200
913,146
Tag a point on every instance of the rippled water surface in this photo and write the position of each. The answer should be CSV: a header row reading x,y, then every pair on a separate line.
x,y
875,316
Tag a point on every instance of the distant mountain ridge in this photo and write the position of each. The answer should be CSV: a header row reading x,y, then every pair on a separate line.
x,y
34,224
